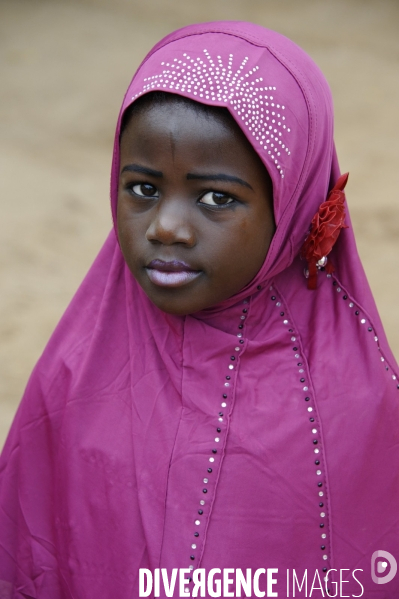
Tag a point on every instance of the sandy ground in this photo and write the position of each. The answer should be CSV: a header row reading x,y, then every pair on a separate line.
x,y
64,69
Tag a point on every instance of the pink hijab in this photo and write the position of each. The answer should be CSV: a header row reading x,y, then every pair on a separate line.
x,y
261,433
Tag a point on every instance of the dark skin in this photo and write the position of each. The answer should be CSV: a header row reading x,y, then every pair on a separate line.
x,y
195,217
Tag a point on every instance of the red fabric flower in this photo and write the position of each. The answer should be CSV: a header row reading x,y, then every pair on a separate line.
x,y
325,227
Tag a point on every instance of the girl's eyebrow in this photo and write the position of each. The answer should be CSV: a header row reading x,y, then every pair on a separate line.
x,y
219,177
136,168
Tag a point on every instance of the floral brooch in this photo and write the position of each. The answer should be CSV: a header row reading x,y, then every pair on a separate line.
x,y
325,228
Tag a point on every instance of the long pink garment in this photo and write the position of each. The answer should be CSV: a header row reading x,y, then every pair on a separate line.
x,y
105,470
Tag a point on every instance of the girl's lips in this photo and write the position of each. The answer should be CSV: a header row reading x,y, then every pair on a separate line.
x,y
171,274
170,278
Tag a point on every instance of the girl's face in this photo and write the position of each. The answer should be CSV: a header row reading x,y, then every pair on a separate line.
x,y
195,217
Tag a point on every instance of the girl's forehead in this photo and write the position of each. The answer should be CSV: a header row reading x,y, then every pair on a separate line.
x,y
171,131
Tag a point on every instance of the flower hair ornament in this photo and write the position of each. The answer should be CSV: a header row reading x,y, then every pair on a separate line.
x,y
325,228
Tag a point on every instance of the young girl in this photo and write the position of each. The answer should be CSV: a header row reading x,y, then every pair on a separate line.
x,y
220,395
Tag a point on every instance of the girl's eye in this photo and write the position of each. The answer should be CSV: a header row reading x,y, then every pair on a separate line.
x,y
145,190
215,198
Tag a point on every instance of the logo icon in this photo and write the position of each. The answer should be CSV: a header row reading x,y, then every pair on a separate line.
x,y
379,565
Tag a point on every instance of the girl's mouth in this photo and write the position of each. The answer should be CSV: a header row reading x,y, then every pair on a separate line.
x,y
170,274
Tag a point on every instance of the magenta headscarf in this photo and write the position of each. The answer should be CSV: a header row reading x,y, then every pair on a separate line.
x,y
260,433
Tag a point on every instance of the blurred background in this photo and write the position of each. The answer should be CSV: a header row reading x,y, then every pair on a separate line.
x,y
65,66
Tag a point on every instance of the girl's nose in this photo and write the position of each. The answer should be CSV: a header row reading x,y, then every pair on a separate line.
x,y
171,224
